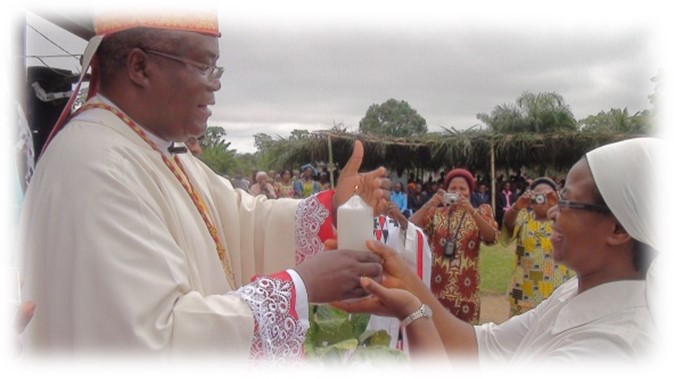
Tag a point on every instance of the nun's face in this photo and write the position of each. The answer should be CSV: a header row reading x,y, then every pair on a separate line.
x,y
579,235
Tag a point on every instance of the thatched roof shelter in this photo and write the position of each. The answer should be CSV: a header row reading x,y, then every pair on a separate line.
x,y
471,149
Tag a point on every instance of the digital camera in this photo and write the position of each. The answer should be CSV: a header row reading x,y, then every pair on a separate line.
x,y
450,198
538,198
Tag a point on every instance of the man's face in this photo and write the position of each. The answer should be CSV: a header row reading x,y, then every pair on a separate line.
x,y
183,92
578,235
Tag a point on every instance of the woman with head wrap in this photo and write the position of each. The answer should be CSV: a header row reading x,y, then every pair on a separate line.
x,y
603,228
536,274
455,230
306,186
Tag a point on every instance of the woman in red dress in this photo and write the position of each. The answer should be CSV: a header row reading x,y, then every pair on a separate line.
x,y
455,231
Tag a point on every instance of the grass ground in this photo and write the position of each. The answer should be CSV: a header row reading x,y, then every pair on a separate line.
x,y
496,268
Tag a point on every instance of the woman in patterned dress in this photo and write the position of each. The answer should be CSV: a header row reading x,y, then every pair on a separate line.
x,y
455,278
536,273
284,187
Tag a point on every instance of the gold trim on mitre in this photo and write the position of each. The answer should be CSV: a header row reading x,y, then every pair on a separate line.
x,y
200,21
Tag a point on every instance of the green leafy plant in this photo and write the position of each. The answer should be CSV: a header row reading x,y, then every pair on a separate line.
x,y
339,337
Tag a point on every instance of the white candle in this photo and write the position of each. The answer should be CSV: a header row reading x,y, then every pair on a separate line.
x,y
355,223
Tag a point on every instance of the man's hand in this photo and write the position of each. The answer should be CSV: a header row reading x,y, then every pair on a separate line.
x,y
373,186
397,273
335,274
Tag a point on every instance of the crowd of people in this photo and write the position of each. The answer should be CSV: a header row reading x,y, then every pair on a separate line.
x,y
286,183
130,244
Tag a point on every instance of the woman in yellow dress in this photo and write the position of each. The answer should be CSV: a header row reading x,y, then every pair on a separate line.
x,y
536,273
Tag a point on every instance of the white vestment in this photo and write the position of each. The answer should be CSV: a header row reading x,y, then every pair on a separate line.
x,y
117,257
412,244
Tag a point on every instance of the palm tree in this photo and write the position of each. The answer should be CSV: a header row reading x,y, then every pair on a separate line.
x,y
532,113
617,120
505,119
546,112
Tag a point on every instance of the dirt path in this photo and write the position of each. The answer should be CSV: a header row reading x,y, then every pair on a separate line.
x,y
493,308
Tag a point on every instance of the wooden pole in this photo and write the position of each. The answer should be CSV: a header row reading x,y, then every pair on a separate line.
x,y
493,175
331,165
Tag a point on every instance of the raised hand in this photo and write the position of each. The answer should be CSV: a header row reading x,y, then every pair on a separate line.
x,y
372,186
464,203
436,199
523,201
551,198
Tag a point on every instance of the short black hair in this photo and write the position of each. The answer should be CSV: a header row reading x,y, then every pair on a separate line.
x,y
544,180
115,48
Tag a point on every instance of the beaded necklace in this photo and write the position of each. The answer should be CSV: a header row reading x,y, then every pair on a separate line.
x,y
179,172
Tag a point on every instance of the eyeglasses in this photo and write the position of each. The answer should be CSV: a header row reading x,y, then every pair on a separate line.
x,y
588,207
210,72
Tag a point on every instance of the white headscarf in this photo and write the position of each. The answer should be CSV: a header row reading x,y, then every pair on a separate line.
x,y
627,174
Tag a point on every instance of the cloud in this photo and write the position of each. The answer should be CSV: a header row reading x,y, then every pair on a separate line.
x,y
326,65
320,75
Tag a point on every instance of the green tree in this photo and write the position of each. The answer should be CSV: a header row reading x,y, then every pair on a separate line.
x,y
215,151
617,120
546,112
298,134
263,141
505,118
393,118
533,113
214,137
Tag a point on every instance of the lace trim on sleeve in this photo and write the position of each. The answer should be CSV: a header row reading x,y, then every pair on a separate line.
x,y
279,334
310,216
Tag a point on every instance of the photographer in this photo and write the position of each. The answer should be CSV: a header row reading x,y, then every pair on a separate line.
x,y
455,230
536,274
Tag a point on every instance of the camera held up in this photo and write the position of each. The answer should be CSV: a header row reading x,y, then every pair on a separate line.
x,y
538,198
450,198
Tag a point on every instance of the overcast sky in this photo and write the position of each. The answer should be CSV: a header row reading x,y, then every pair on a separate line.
x,y
304,66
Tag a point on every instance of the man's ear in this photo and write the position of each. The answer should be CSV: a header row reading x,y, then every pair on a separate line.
x,y
618,236
137,68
